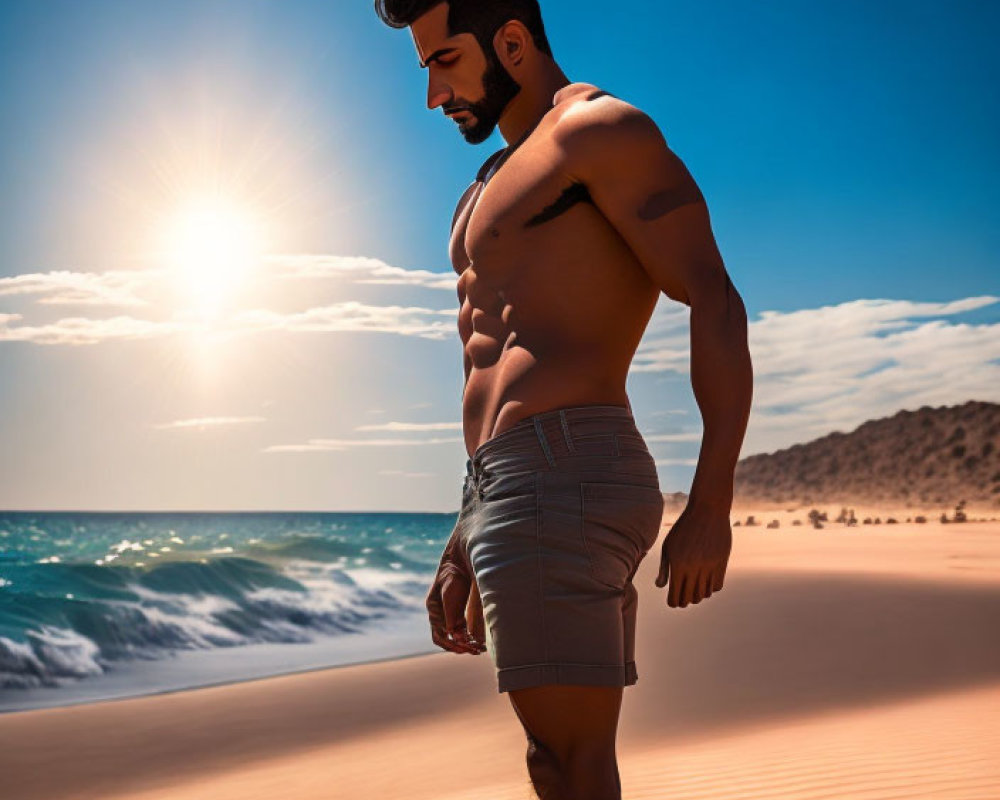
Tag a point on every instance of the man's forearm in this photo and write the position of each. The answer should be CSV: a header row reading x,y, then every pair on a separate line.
x,y
722,379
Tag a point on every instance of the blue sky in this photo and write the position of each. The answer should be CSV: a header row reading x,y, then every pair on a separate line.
x,y
847,150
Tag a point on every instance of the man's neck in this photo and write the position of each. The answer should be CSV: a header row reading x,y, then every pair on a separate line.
x,y
530,104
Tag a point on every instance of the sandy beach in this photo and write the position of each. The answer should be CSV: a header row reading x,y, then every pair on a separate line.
x,y
856,662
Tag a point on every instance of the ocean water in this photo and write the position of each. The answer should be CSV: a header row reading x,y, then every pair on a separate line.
x,y
103,605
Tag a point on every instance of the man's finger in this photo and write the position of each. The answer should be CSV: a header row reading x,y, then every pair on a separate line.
x,y
438,621
664,574
441,639
454,597
691,589
673,589
435,614
697,584
474,614
688,591
452,642
684,589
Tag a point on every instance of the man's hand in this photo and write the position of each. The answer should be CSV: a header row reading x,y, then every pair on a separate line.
x,y
453,603
694,555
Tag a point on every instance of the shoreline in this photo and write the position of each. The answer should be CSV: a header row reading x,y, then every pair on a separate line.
x,y
214,685
772,546
395,639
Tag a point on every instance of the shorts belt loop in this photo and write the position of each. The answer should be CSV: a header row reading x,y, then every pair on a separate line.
x,y
565,427
544,442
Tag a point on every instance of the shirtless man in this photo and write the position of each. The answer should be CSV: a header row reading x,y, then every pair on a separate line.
x,y
562,246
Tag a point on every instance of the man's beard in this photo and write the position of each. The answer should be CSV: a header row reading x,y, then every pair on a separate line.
x,y
499,88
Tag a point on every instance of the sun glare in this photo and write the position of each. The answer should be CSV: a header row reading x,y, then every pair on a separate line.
x,y
213,246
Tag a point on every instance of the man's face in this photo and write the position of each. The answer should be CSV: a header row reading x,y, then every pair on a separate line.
x,y
471,86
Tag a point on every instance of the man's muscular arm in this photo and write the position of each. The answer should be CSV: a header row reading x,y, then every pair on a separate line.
x,y
650,198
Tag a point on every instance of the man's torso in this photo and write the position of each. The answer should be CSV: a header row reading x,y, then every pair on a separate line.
x,y
553,302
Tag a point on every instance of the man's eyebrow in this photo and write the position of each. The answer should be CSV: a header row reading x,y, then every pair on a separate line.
x,y
439,52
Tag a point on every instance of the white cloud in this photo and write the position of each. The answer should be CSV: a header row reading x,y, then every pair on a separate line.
x,y
146,289
361,269
425,323
350,315
412,426
831,368
208,422
689,436
669,462
404,474
123,287
64,287
318,445
82,330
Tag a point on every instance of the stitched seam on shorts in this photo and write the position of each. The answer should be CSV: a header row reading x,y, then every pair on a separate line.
x,y
544,442
583,534
538,548
566,434
564,664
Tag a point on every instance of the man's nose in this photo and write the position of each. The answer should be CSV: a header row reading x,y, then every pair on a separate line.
x,y
437,94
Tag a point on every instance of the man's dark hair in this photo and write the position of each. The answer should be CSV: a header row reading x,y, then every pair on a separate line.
x,y
481,18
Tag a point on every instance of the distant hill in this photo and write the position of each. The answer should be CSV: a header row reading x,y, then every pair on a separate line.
x,y
931,457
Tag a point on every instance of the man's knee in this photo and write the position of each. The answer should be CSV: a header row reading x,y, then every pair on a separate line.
x,y
571,739
545,770
581,773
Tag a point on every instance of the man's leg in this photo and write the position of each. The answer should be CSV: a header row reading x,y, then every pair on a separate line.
x,y
571,740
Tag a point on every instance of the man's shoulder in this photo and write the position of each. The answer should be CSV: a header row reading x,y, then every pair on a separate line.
x,y
580,91
590,112
596,124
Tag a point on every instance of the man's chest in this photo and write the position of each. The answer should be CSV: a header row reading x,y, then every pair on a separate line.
x,y
527,208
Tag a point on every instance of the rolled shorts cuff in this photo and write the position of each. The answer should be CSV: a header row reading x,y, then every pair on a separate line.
x,y
521,677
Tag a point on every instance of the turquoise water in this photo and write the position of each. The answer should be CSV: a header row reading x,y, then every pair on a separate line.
x,y
86,595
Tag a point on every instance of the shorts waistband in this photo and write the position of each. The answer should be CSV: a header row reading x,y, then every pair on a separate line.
x,y
531,427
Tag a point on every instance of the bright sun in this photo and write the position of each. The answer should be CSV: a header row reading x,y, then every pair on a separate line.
x,y
213,245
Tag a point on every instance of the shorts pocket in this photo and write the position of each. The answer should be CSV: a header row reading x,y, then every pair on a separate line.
x,y
631,443
620,522
506,485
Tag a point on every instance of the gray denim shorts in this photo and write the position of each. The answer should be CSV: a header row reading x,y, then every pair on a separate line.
x,y
557,513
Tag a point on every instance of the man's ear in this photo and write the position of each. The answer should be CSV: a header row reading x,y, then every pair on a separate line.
x,y
510,42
